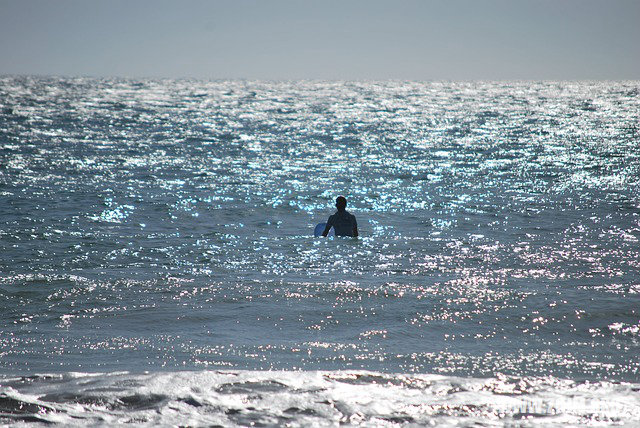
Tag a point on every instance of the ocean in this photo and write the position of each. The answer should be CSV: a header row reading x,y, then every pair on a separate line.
x,y
158,264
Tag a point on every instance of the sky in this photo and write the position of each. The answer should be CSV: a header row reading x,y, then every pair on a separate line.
x,y
341,39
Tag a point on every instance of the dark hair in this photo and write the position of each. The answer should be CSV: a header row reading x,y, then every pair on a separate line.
x,y
341,202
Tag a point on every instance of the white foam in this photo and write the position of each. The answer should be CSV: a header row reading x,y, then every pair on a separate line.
x,y
318,398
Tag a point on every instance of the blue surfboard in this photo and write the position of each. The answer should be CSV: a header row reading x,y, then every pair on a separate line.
x,y
320,228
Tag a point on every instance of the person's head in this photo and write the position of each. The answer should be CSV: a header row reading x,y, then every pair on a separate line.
x,y
341,203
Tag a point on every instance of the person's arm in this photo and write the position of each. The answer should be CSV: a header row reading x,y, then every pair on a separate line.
x,y
355,228
327,228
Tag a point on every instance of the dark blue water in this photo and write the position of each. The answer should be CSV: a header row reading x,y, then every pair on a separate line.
x,y
167,226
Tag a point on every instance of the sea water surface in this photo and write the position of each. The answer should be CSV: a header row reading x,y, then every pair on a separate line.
x,y
158,264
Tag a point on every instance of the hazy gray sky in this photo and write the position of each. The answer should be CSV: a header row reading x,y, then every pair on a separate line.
x,y
292,39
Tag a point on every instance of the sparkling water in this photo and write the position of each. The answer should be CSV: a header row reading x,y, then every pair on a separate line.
x,y
158,264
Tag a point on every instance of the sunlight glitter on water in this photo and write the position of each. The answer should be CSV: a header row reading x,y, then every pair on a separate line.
x,y
499,226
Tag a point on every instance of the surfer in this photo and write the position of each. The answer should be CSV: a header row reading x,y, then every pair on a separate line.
x,y
343,222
